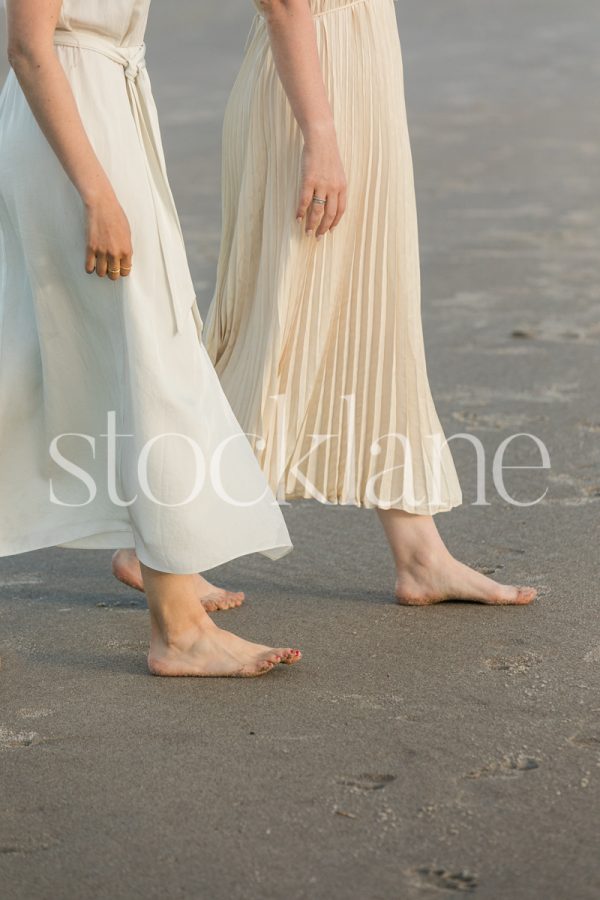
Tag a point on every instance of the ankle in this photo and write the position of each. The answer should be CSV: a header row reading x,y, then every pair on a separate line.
x,y
419,560
181,634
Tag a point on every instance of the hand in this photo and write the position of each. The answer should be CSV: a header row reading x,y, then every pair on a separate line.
x,y
323,177
109,249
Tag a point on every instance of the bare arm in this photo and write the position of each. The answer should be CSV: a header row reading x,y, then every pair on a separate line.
x,y
294,45
31,25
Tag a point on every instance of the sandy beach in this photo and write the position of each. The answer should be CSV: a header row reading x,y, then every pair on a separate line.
x,y
415,753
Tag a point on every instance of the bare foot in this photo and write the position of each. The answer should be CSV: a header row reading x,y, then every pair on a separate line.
x,y
126,568
435,578
210,652
427,573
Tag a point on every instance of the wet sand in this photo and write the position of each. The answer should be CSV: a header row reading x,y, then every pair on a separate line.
x,y
414,753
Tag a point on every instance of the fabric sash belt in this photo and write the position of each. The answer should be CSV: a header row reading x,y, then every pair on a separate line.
x,y
143,110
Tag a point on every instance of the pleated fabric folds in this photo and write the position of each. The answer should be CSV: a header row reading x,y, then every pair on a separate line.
x,y
319,346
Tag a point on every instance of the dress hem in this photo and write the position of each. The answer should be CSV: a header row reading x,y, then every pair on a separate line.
x,y
86,537
365,504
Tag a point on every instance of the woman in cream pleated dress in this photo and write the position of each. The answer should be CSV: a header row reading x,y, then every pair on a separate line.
x,y
114,430
315,328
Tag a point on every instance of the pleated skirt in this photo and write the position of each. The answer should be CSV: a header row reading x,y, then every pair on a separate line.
x,y
319,345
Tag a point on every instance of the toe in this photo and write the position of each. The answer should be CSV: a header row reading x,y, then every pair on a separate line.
x,y
290,656
526,595
259,668
210,605
515,596
229,600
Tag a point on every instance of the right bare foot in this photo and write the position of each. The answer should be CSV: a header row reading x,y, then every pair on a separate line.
x,y
430,579
427,573
209,652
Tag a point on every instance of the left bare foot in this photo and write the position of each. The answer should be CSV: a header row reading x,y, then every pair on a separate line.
x,y
434,578
126,568
209,651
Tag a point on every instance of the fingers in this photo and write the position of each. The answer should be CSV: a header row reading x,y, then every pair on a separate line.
x,y
341,209
114,265
108,239
307,193
101,264
316,210
126,265
321,217
328,216
90,261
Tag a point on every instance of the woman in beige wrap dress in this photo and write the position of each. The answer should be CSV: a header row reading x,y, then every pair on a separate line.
x,y
114,430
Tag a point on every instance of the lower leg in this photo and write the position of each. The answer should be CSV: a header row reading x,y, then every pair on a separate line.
x,y
427,573
185,641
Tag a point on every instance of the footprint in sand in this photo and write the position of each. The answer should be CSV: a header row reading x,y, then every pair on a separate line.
x,y
523,334
586,741
366,782
486,568
14,740
25,848
507,767
514,665
442,879
29,712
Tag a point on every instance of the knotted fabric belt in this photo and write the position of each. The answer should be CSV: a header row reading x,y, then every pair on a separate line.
x,y
143,110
